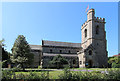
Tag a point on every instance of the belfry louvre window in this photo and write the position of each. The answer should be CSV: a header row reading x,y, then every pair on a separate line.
x,y
97,29
90,52
85,32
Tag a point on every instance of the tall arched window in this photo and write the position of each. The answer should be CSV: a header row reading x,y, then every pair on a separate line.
x,y
97,29
60,51
85,32
74,61
90,52
50,50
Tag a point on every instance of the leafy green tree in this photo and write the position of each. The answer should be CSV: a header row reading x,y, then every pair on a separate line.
x,y
59,61
114,61
22,56
5,55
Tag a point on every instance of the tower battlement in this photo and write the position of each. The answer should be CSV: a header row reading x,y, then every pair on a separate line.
x,y
99,19
84,24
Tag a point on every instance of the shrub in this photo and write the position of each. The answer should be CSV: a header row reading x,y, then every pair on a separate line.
x,y
44,75
113,74
67,74
7,74
39,67
20,76
114,65
80,76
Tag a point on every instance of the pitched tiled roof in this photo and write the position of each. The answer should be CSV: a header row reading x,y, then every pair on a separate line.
x,y
56,43
117,55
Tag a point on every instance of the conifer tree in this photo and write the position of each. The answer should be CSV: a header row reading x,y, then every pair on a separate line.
x,y
21,51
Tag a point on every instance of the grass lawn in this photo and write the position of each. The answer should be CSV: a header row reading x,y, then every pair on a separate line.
x,y
52,74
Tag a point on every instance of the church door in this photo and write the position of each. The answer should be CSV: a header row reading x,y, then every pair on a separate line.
x,y
90,63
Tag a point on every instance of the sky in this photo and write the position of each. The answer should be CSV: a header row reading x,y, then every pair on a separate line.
x,y
56,21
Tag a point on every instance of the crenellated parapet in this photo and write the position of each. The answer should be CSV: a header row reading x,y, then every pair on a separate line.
x,y
84,24
99,19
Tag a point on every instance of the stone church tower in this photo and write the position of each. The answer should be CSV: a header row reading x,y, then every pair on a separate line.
x,y
94,50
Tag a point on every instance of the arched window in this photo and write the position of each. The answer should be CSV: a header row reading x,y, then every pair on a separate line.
x,y
60,51
90,52
50,50
97,29
74,61
69,51
85,32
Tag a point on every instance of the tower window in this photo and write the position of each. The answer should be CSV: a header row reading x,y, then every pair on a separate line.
x,y
90,52
60,51
50,50
85,32
97,29
80,62
69,51
74,61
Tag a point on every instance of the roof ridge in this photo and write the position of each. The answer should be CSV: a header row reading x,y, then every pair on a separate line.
x,y
61,42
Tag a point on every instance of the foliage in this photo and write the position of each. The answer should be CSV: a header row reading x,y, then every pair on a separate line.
x,y
22,57
59,61
1,42
114,65
80,76
7,74
114,61
5,55
66,74
112,74
39,67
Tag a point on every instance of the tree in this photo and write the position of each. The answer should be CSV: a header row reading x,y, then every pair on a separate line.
x,y
114,61
5,55
59,61
22,56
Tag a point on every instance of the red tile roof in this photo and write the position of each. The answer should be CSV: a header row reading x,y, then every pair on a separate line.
x,y
117,55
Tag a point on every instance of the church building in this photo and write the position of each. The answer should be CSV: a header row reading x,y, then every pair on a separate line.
x,y
91,52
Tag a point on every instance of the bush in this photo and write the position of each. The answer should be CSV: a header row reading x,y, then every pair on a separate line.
x,y
80,76
39,67
33,75
21,76
113,74
7,74
67,74
114,65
